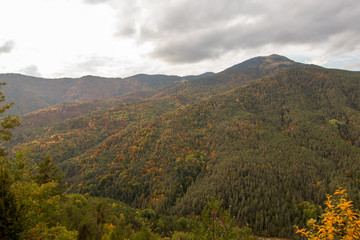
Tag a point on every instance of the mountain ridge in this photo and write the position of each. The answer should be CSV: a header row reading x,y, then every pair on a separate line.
x,y
33,93
185,90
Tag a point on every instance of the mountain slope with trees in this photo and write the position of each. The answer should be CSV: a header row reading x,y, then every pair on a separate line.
x,y
34,206
237,75
271,149
33,93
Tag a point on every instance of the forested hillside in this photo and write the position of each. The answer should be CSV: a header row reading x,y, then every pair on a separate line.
x,y
189,89
279,143
237,75
270,137
33,93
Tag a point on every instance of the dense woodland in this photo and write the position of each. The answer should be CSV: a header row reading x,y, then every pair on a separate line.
x,y
256,147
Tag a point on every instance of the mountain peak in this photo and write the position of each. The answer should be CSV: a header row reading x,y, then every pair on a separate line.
x,y
264,64
276,57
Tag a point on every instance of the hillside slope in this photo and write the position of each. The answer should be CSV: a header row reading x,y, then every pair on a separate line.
x,y
31,93
270,149
141,87
237,75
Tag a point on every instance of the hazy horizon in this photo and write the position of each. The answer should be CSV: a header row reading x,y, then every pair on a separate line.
x,y
110,38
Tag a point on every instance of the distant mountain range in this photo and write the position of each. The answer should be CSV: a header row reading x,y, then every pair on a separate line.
x,y
32,93
269,136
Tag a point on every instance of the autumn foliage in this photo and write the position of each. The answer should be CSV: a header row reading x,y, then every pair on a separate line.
x,y
339,221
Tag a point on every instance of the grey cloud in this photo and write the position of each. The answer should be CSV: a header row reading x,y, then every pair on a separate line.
x,y
7,47
126,30
127,13
87,65
181,17
31,70
91,64
202,14
193,31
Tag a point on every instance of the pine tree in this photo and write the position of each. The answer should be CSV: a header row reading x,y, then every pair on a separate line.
x,y
11,217
216,223
47,172
10,211
6,123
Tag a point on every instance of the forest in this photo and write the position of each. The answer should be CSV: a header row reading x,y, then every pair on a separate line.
x,y
251,151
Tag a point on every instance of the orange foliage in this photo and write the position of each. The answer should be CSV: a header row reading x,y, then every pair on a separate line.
x,y
339,221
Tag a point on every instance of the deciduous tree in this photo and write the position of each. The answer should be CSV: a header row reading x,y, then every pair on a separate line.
x,y
339,221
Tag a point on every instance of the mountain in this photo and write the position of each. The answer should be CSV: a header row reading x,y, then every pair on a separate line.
x,y
183,90
193,77
269,136
32,93
237,75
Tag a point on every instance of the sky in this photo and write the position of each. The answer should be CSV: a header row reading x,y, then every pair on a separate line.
x,y
120,38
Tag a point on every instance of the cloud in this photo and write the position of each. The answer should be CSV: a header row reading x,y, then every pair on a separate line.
x,y
96,1
127,14
354,66
31,70
91,64
186,31
7,47
129,17
334,25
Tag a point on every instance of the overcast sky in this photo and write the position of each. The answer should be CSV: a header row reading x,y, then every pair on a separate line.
x,y
119,38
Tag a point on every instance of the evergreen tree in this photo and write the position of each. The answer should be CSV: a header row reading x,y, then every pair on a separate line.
x,y
216,223
47,172
11,217
10,211
6,123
